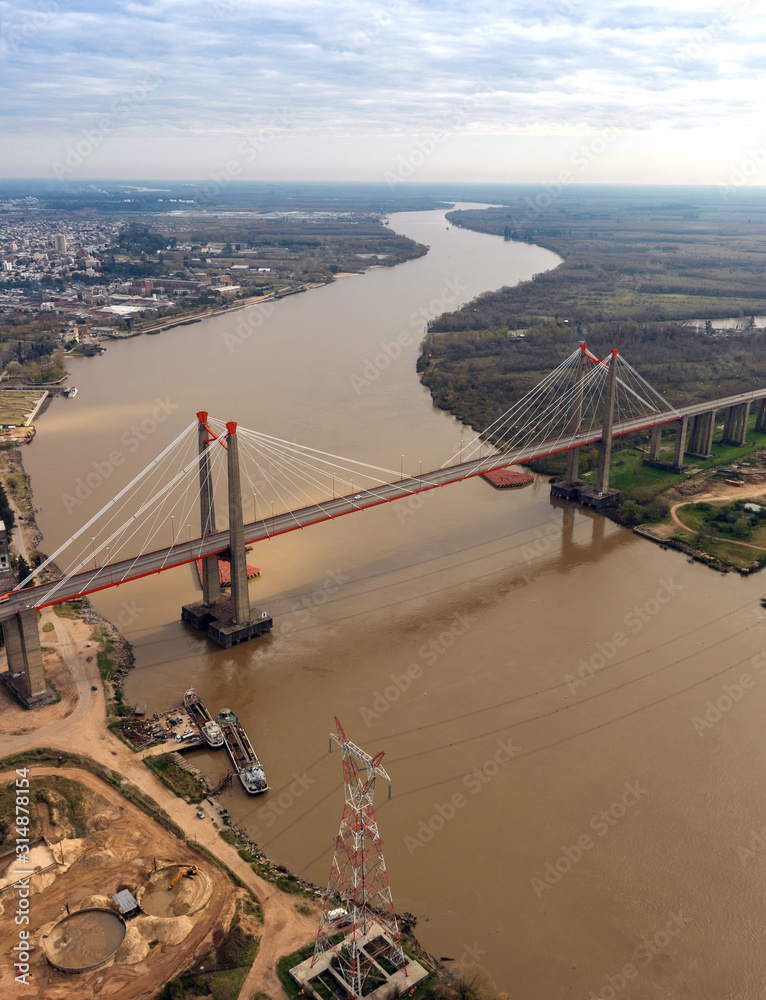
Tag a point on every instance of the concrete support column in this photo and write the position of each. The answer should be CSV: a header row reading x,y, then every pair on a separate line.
x,y
240,599
709,431
695,440
678,454
760,415
744,417
211,578
605,456
22,646
573,455
728,424
656,443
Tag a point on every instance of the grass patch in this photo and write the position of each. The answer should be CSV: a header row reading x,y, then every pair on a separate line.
x,y
49,627
179,781
67,609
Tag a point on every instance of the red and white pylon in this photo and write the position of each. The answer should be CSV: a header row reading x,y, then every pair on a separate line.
x,y
358,881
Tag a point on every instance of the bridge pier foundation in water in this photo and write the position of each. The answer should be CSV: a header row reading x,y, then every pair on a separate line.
x,y
228,621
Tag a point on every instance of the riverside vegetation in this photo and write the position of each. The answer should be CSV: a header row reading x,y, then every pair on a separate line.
x,y
645,271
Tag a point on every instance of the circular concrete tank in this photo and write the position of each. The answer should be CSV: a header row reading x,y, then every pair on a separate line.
x,y
85,940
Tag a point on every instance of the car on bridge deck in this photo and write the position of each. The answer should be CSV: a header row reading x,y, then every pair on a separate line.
x,y
358,496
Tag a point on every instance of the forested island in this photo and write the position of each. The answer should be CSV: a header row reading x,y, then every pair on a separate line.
x,y
636,271
675,282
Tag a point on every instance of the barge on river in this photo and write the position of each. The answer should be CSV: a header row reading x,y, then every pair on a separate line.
x,y
243,757
200,716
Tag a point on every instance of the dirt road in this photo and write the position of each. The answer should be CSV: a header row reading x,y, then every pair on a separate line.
x,y
84,731
719,492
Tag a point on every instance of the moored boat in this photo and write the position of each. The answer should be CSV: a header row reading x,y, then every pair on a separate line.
x,y
226,716
253,778
213,734
191,698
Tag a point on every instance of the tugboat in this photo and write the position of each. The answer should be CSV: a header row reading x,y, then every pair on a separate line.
x,y
70,393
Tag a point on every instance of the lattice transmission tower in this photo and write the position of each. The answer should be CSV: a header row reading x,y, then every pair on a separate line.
x,y
358,880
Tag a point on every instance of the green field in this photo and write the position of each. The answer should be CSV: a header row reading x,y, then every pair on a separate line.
x,y
17,404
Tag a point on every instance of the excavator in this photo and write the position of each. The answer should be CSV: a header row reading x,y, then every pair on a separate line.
x,y
188,872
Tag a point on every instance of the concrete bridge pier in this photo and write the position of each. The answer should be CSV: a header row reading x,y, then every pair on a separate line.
x,y
680,448
653,458
655,444
25,659
735,424
701,438
760,416
228,620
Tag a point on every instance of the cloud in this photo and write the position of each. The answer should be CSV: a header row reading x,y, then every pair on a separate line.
x,y
218,68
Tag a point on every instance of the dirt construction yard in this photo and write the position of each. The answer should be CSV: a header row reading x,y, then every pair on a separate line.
x,y
117,847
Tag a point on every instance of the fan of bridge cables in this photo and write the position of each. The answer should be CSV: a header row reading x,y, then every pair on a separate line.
x,y
567,402
159,509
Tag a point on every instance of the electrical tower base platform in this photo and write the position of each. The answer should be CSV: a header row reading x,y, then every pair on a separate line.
x,y
216,619
379,983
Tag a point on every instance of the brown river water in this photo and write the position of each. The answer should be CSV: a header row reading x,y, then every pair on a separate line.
x,y
572,717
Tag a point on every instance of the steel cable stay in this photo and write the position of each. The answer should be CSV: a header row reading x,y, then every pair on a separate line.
x,y
299,465
106,507
519,405
86,554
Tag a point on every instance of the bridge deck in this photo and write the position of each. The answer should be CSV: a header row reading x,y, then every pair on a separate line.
x,y
114,574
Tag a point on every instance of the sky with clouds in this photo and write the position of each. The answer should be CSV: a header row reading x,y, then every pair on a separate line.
x,y
634,92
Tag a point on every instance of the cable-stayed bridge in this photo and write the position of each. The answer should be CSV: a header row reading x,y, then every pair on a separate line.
x,y
147,528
